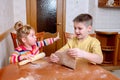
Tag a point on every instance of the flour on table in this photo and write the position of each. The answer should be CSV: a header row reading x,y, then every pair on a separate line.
x,y
31,76
103,76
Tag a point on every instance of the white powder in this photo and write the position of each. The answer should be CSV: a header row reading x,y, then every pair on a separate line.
x,y
30,76
103,76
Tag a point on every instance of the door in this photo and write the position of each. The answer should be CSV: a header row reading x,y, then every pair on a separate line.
x,y
36,15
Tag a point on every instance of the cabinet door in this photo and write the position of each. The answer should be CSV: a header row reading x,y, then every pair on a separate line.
x,y
118,56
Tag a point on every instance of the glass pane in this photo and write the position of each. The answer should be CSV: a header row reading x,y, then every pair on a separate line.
x,y
46,16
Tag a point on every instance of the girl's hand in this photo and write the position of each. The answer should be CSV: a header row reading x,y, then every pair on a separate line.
x,y
57,37
76,52
27,57
54,58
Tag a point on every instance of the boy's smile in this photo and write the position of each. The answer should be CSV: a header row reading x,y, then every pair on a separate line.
x,y
81,31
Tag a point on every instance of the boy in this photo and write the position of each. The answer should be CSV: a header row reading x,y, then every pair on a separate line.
x,y
82,45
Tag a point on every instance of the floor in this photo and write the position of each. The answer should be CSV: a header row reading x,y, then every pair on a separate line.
x,y
116,73
115,70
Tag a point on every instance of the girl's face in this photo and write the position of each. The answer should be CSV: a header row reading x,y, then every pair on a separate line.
x,y
81,31
31,38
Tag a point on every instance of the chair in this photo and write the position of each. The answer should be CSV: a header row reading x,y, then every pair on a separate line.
x,y
68,36
39,36
14,39
93,35
108,45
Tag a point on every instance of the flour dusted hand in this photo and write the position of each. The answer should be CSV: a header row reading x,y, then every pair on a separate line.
x,y
76,52
36,57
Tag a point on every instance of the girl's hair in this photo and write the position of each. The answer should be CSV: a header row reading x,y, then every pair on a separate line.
x,y
84,18
22,31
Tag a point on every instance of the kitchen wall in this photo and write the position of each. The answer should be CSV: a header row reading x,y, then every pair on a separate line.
x,y
10,12
74,8
6,21
19,10
106,19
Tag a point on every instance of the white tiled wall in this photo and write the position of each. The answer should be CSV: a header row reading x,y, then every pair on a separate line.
x,y
106,19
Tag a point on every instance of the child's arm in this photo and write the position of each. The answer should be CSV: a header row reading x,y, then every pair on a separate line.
x,y
16,57
92,57
34,58
57,37
55,57
47,41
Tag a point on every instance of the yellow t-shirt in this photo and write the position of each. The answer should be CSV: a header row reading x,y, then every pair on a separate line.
x,y
90,44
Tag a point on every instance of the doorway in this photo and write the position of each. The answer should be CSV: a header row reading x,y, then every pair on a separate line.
x,y
36,16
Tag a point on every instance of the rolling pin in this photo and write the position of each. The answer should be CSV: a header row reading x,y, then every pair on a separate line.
x,y
36,57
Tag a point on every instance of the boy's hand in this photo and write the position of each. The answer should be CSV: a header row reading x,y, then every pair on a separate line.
x,y
76,52
57,37
54,58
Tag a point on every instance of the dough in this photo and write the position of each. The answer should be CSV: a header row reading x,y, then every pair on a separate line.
x,y
67,60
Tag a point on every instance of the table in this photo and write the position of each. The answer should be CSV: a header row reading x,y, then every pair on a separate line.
x,y
44,70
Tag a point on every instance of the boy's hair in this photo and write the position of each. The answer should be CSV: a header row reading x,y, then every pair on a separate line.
x,y
84,18
22,31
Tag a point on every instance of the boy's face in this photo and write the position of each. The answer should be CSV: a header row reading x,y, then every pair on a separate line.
x,y
81,31
31,38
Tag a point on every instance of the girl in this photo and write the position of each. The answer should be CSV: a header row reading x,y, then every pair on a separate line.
x,y
28,46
